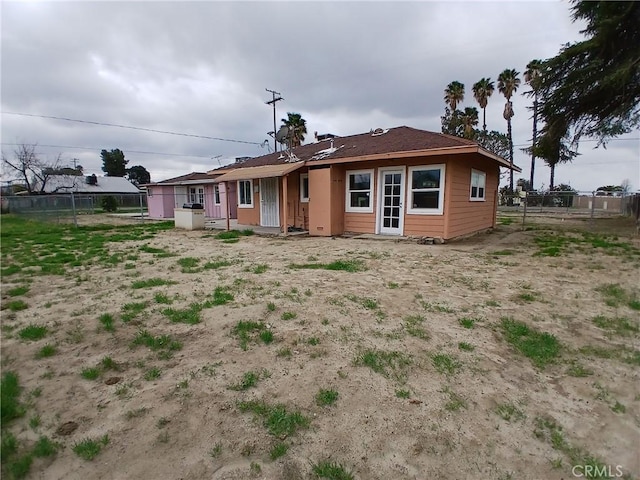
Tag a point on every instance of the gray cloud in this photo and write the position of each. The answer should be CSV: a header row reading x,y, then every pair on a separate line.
x,y
202,68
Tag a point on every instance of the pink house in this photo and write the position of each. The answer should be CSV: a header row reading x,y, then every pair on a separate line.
x,y
195,187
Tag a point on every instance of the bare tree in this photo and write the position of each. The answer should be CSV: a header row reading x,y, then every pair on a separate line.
x,y
31,170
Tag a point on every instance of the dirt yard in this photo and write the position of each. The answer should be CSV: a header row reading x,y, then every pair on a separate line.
x,y
497,357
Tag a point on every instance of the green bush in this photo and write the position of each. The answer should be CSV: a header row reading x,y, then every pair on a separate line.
x,y
109,204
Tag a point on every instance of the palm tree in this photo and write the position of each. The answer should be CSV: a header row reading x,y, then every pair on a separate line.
x,y
469,120
533,77
508,83
454,94
482,90
297,128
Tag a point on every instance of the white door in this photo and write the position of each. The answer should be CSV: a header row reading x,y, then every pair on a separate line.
x,y
180,196
269,202
391,195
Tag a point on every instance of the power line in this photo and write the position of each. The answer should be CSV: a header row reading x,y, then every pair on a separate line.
x,y
100,148
130,127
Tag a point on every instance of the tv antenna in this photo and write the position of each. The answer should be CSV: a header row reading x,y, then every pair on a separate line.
x,y
273,101
217,157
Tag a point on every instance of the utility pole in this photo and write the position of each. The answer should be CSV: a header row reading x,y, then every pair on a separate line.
x,y
273,102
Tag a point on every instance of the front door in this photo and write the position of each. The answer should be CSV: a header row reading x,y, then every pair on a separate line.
x,y
269,204
390,216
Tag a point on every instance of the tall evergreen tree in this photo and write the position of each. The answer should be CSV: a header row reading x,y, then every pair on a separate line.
x,y
114,163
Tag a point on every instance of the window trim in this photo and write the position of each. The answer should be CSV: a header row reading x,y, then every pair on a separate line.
x,y
483,176
245,205
304,199
198,194
347,205
216,194
440,190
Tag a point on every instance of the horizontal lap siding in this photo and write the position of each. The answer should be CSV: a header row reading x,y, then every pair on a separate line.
x,y
360,222
424,225
465,216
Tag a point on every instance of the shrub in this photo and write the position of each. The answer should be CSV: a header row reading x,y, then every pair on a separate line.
x,y
109,203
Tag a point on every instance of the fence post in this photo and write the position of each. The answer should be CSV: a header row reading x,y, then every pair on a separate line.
x,y
73,208
593,208
542,203
524,211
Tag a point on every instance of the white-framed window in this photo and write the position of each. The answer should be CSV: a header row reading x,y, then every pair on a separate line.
x,y
245,193
425,195
216,194
478,181
304,187
196,195
359,191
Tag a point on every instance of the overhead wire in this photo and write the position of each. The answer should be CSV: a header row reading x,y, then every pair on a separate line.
x,y
166,132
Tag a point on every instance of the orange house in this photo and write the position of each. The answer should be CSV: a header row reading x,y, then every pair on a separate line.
x,y
400,181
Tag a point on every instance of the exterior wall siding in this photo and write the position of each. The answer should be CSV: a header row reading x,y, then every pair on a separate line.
x,y
466,216
250,216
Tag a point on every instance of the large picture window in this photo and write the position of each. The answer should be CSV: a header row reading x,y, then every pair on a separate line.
x,y
304,187
196,195
245,194
359,191
478,181
425,194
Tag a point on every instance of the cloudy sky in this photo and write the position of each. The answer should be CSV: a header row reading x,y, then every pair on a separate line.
x,y
200,69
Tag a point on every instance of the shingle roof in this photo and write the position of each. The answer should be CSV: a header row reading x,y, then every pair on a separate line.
x,y
379,142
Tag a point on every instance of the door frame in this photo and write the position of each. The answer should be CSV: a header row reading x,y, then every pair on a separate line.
x,y
380,200
277,188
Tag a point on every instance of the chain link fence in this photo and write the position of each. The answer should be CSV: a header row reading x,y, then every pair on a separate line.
x,y
66,208
563,204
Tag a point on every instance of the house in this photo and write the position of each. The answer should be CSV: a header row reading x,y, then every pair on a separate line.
x,y
195,187
397,181
90,184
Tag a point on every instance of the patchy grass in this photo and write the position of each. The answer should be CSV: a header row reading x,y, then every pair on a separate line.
x,y
10,390
152,282
413,326
132,310
331,471
445,363
351,265
162,342
465,346
106,320
33,332
220,296
162,298
509,412
326,397
88,449
467,322
189,264
90,373
216,264
47,351
247,331
386,363
17,305
288,315
18,291
278,421
278,450
189,315
249,380
541,348
618,325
